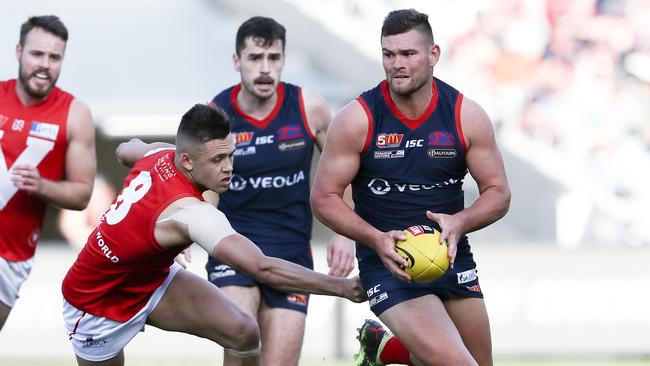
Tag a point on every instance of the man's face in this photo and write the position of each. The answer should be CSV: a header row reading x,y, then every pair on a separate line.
x,y
40,60
260,67
408,61
213,163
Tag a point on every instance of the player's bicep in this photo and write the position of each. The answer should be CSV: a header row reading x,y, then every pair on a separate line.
x,y
81,162
341,157
483,157
318,116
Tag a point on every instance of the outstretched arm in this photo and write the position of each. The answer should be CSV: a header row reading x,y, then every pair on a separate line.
x,y
190,220
240,253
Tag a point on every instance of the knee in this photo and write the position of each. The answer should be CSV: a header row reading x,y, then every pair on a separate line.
x,y
247,335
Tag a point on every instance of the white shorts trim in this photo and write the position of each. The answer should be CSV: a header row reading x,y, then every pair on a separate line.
x,y
12,276
96,338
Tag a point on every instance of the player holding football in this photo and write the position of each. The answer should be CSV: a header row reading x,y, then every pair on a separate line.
x,y
125,276
47,151
406,146
277,126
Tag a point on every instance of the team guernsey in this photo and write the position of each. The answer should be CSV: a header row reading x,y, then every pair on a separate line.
x,y
408,167
268,199
36,136
122,265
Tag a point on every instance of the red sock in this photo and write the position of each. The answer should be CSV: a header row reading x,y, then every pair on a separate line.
x,y
395,352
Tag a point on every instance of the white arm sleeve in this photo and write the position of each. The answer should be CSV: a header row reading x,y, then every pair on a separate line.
x,y
207,226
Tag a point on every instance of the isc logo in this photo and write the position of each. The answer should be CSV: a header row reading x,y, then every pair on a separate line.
x,y
263,140
373,290
389,140
414,143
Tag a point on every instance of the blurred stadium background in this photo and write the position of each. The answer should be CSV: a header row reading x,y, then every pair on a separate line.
x,y
566,82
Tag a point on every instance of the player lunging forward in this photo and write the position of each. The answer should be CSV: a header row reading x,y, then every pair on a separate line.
x,y
125,276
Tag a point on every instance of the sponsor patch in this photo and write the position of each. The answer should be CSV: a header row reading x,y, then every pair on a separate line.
x,y
299,299
289,132
474,288
441,138
90,342
18,125
377,299
248,150
441,153
386,140
381,187
165,168
238,183
243,138
391,154
467,276
220,271
291,145
44,130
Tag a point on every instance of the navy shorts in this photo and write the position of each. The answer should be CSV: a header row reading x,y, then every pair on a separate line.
x,y
385,290
223,275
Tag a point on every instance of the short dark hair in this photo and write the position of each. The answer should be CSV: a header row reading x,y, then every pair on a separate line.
x,y
264,28
202,123
49,23
402,21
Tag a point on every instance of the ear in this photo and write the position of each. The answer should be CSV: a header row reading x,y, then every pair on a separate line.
x,y
186,162
235,62
19,51
434,55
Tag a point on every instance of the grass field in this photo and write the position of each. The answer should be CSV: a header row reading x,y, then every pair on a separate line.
x,y
508,362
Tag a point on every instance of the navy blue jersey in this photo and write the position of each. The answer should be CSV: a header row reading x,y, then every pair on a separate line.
x,y
410,166
268,199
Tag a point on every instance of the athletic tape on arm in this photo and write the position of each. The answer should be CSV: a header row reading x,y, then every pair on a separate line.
x,y
207,226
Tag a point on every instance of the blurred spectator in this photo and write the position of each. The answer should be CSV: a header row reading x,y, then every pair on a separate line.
x,y
572,77
75,226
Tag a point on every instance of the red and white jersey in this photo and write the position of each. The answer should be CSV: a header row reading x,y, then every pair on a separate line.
x,y
122,264
34,135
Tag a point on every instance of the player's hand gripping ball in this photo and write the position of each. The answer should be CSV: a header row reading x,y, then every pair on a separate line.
x,y
427,258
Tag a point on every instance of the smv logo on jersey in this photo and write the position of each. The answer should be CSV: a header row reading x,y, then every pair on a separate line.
x,y
243,138
385,140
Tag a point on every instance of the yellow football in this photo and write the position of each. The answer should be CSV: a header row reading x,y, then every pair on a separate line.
x,y
426,256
